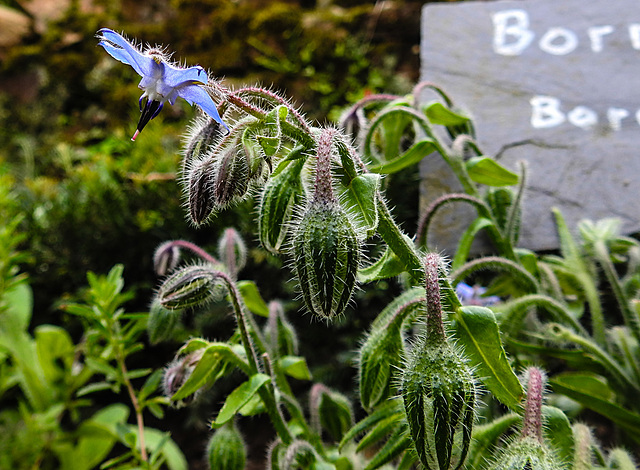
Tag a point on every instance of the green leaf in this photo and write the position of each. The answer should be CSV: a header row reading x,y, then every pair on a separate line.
x,y
53,343
397,443
360,199
19,305
477,329
295,367
209,366
389,265
252,298
592,392
440,114
558,431
485,170
239,397
415,154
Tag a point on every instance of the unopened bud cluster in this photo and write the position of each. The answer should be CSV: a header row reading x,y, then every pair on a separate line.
x,y
529,450
438,388
217,170
326,247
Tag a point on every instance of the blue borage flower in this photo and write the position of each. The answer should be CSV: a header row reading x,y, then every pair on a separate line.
x,y
161,80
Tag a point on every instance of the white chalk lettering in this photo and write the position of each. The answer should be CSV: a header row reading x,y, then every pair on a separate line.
x,y
596,34
615,117
559,41
634,35
511,34
545,112
583,117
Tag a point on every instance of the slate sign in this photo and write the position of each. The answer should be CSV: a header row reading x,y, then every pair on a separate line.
x,y
557,83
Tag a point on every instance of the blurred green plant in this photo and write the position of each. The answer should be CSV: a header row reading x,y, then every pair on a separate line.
x,y
47,419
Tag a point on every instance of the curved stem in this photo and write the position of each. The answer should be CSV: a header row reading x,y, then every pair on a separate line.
x,y
195,249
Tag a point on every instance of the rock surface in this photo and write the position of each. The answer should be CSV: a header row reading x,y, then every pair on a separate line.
x,y
553,83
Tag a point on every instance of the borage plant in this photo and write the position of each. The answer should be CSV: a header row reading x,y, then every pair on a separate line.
x,y
429,366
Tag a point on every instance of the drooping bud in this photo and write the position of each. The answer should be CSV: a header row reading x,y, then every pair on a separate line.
x,y
231,176
232,251
226,449
204,134
438,388
166,258
325,245
161,323
177,373
190,286
200,191
281,194
330,411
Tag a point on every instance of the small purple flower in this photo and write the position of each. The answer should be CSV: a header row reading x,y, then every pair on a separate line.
x,y
475,295
161,80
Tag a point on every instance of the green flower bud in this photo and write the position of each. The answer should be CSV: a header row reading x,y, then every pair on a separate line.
x,y
330,411
326,247
526,453
620,459
161,323
327,256
280,195
226,449
200,191
439,395
189,287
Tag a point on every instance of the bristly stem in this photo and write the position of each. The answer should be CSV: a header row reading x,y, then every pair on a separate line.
x,y
532,425
266,394
195,249
435,328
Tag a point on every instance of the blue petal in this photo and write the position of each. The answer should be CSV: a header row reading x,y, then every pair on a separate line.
x,y
121,49
195,94
174,76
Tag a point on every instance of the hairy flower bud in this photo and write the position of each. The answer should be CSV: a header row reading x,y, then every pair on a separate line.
x,y
330,411
325,245
177,373
231,176
226,449
281,194
200,191
526,454
203,135
439,395
327,256
189,287
166,258
161,322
